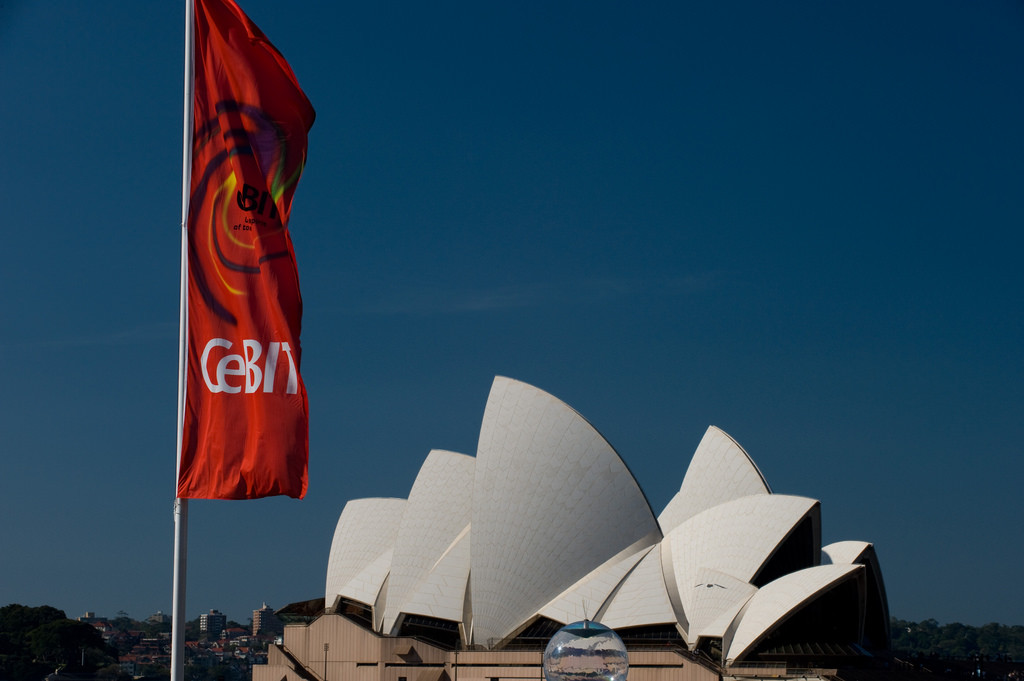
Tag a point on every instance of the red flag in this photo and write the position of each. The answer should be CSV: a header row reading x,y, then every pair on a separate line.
x,y
246,427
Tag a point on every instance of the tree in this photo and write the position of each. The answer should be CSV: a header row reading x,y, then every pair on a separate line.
x,y
17,626
123,623
66,642
154,628
957,640
113,672
16,621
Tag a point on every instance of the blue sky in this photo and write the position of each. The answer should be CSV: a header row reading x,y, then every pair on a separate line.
x,y
800,222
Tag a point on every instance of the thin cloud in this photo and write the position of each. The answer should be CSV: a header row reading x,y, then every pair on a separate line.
x,y
429,301
119,337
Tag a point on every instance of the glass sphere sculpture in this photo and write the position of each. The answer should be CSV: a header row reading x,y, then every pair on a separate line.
x,y
585,651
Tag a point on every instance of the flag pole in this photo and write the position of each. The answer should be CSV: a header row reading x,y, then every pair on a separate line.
x,y
181,505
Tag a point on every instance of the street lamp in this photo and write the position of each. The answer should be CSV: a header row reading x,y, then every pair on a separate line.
x,y
327,647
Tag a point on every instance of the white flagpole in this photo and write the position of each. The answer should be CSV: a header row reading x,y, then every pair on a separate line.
x,y
181,505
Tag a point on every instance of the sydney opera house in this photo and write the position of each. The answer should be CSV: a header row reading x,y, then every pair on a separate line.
x,y
491,554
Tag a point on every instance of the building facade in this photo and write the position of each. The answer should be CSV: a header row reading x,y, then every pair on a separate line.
x,y
335,648
264,621
212,623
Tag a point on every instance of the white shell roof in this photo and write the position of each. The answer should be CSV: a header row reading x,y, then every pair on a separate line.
x,y
861,553
716,599
361,551
436,514
720,471
775,601
442,593
844,552
735,538
641,598
559,503
548,521
583,600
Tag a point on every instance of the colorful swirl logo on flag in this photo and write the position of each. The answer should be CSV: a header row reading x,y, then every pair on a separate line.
x,y
240,201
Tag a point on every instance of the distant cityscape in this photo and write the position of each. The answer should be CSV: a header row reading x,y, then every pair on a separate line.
x,y
42,644
215,647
